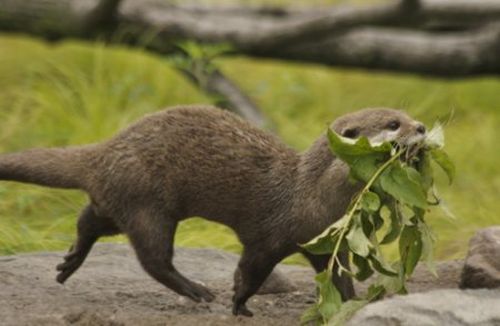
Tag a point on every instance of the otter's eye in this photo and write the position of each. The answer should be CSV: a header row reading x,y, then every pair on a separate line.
x,y
393,125
350,133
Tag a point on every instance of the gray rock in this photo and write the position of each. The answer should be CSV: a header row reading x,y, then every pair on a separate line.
x,y
112,289
482,264
277,283
422,280
448,307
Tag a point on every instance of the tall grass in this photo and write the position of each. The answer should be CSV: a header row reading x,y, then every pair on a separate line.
x,y
74,93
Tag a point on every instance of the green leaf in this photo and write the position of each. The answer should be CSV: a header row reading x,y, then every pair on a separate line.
x,y
367,225
376,220
375,292
406,214
310,315
348,149
325,242
357,240
446,210
410,248
362,158
414,175
364,269
400,183
364,167
370,201
428,240
425,169
391,284
435,137
329,300
442,159
394,228
347,310
321,245
381,266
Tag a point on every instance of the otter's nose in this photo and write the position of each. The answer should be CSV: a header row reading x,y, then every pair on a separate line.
x,y
421,129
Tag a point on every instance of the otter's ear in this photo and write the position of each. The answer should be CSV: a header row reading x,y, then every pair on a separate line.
x,y
350,132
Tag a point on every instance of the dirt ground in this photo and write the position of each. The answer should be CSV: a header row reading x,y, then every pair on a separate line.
x,y
112,289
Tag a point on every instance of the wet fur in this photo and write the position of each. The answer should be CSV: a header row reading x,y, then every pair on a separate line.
x,y
202,161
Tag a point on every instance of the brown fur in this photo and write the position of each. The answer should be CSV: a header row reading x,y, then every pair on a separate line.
x,y
202,161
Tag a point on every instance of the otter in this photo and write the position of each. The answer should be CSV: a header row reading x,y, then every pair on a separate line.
x,y
203,161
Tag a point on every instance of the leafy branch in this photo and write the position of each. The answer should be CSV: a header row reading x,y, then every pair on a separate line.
x,y
397,182
356,205
198,63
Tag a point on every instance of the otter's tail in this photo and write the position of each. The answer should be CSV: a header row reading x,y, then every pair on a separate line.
x,y
51,167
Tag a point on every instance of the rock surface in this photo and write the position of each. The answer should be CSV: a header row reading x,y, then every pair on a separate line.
x,y
482,264
448,307
112,289
277,282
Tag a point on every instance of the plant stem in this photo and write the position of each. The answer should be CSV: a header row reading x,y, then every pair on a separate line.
x,y
356,204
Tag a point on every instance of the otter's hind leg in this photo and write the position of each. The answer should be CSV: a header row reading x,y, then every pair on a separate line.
x,y
342,282
90,228
152,237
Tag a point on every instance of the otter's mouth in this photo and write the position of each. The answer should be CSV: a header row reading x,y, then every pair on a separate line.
x,y
411,152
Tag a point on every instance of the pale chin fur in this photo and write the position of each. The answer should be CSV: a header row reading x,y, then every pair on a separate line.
x,y
389,136
415,139
384,136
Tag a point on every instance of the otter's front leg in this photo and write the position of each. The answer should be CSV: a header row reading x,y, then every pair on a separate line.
x,y
254,267
343,282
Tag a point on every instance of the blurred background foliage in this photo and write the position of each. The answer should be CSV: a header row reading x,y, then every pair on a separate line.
x,y
76,93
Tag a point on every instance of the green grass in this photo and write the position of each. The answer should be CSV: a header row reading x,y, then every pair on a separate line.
x,y
75,93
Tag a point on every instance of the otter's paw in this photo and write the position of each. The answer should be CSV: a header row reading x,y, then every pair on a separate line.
x,y
72,261
241,309
205,293
197,292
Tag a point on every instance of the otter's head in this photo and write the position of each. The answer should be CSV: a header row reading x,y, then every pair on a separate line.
x,y
379,125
